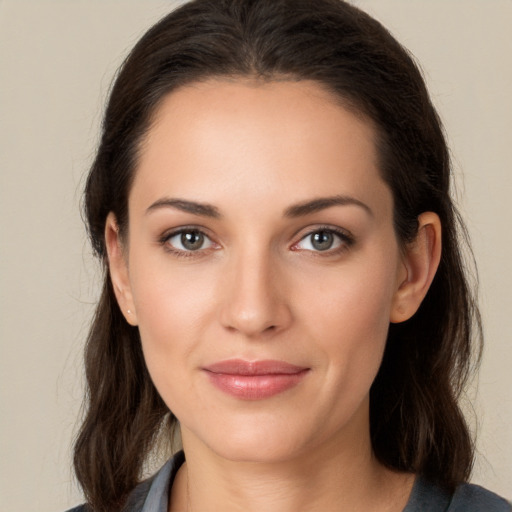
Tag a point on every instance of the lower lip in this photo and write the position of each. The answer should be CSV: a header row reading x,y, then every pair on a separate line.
x,y
255,387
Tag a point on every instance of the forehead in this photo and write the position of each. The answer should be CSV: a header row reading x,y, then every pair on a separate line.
x,y
256,140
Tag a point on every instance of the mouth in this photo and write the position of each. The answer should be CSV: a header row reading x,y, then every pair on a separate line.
x,y
254,380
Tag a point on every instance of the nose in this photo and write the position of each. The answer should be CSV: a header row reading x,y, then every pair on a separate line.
x,y
255,298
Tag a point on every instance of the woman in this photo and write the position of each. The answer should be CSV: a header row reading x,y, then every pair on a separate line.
x,y
270,199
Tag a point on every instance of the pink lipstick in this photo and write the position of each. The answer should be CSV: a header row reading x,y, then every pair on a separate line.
x,y
254,380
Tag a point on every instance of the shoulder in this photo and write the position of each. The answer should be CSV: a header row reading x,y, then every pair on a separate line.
x,y
153,493
473,498
428,497
135,500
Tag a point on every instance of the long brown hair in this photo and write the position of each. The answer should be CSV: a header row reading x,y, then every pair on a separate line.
x,y
416,423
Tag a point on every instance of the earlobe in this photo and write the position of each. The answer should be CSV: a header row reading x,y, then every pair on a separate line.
x,y
118,269
420,260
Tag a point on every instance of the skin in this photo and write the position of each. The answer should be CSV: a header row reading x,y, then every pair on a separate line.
x,y
259,289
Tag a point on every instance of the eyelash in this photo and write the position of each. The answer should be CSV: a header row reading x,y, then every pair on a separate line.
x,y
164,241
346,241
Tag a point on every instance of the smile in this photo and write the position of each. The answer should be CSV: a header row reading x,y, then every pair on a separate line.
x,y
254,380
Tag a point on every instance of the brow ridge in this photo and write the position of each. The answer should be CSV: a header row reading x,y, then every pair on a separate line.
x,y
321,203
297,210
194,207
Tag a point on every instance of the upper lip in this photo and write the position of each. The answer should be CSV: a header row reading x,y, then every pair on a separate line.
x,y
241,367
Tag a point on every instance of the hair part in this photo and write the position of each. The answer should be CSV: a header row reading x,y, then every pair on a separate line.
x,y
416,423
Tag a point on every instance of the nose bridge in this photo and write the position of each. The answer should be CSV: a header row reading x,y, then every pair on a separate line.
x,y
254,303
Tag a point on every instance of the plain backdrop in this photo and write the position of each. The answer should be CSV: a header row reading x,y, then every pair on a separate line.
x,y
57,59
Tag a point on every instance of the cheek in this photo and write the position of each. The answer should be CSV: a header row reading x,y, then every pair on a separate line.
x,y
360,293
349,315
173,310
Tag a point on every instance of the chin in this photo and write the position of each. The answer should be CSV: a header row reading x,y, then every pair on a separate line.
x,y
260,451
264,442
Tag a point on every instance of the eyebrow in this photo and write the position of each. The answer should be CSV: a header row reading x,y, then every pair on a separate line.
x,y
322,203
297,210
203,209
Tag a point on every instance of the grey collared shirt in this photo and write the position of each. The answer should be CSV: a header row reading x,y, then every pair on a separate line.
x,y
158,495
153,495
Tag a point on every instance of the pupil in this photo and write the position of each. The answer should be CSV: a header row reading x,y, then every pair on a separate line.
x,y
322,240
192,240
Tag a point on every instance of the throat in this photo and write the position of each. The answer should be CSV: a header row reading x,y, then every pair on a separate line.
x,y
252,491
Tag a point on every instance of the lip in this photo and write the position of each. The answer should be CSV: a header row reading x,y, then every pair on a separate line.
x,y
254,380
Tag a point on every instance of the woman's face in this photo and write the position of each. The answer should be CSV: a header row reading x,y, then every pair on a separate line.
x,y
262,267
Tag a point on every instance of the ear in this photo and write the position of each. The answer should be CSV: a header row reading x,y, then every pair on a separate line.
x,y
118,267
420,261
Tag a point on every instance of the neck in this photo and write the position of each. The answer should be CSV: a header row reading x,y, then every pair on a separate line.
x,y
334,476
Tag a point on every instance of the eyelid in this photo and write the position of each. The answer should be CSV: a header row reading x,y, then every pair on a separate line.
x,y
167,235
346,238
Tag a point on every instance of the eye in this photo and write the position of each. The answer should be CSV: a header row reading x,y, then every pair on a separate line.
x,y
322,240
188,240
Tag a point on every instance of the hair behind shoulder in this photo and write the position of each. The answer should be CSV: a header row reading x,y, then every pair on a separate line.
x,y
416,423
